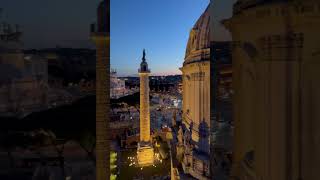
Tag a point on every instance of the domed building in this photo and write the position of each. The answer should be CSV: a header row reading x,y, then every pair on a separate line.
x,y
276,82
196,100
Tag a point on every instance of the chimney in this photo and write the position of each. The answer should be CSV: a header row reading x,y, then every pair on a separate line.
x,y
93,28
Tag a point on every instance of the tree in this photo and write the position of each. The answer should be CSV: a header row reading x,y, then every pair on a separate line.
x,y
10,141
87,141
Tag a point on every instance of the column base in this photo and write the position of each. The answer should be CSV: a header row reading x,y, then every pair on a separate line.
x,y
145,155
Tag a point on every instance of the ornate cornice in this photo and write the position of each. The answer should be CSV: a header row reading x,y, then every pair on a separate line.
x,y
263,8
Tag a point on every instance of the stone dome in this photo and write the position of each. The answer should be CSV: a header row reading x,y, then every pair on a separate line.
x,y
198,48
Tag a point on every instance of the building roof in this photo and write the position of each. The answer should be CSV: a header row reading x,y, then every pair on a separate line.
x,y
10,46
198,47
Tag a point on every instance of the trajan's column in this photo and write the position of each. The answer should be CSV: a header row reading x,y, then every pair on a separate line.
x,y
101,38
145,150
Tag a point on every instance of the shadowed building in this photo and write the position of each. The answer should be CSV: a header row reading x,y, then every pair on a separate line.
x,y
276,82
101,37
221,109
23,78
145,150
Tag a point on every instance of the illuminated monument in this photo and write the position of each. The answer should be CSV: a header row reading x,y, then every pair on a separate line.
x,y
145,149
101,37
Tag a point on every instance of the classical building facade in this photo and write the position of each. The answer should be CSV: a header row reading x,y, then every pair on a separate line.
x,y
101,37
117,86
145,151
276,82
196,100
23,78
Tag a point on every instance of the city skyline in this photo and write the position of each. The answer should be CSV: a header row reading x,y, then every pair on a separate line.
x,y
164,36
47,24
174,89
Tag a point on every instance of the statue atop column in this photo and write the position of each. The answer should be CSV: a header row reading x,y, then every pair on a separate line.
x,y
144,55
144,64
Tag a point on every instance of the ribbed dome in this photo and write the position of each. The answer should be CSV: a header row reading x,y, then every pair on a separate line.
x,y
198,48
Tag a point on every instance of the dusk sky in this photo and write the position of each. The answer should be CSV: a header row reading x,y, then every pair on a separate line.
x,y
160,26
47,23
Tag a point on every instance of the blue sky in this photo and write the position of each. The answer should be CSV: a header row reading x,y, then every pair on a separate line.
x,y
160,26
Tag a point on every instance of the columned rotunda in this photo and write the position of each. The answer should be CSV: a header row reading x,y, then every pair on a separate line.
x,y
196,100
276,81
